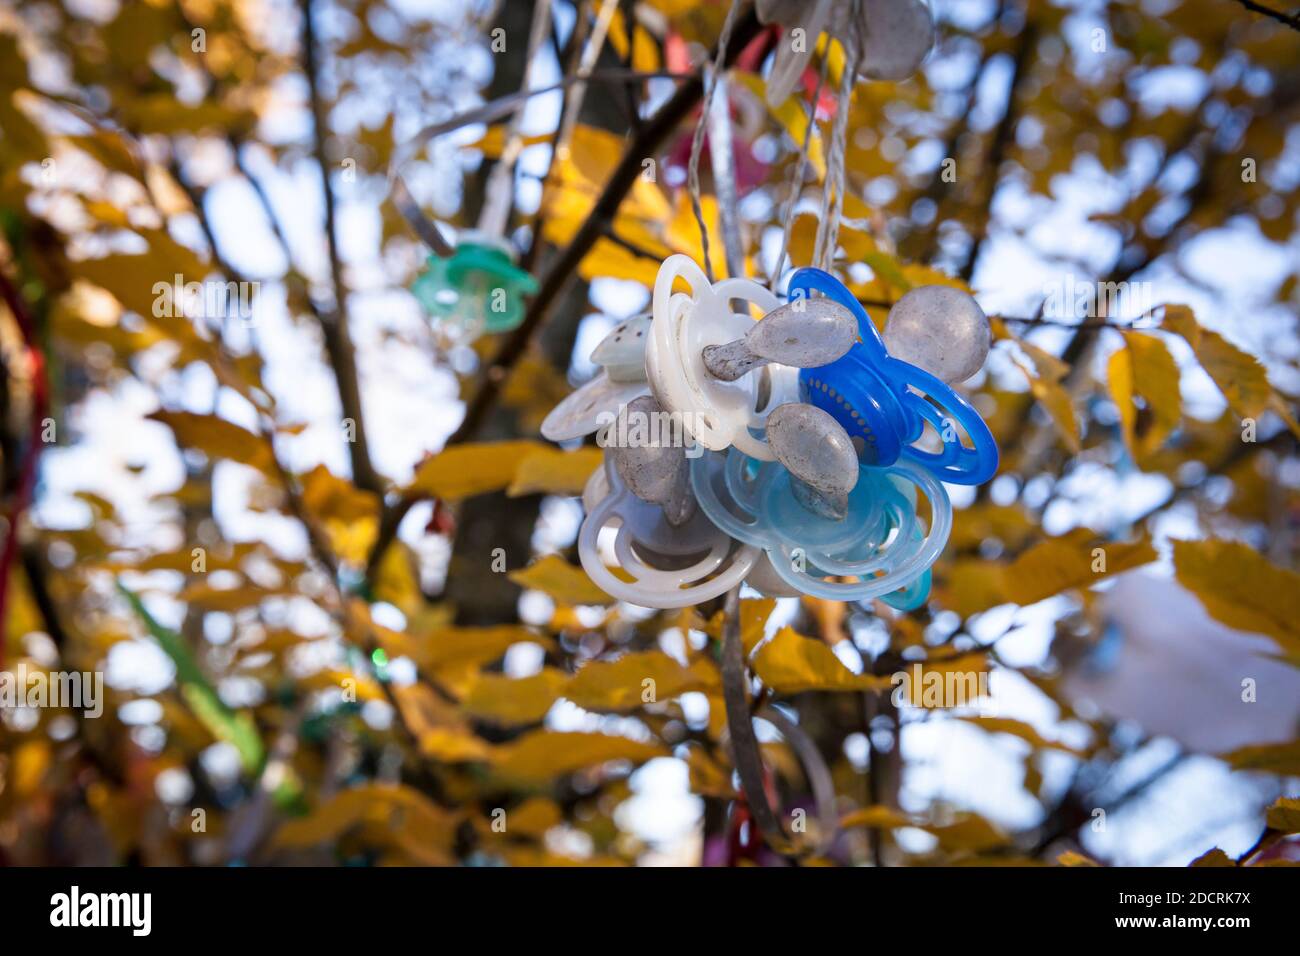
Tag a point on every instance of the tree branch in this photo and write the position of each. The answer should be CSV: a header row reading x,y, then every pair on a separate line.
x,y
334,325
1002,138
647,142
597,224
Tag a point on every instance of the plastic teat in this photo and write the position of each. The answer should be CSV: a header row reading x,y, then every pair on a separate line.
x,y
940,329
622,351
896,38
817,452
804,333
655,473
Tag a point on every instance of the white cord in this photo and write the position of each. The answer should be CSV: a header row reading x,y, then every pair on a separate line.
x,y
829,228
796,183
693,169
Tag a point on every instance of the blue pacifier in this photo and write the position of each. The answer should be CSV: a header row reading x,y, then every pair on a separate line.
x,y
884,403
880,541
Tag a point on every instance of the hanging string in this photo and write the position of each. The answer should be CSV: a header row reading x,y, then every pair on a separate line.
x,y
697,143
490,112
724,180
828,229
796,183
586,64
499,194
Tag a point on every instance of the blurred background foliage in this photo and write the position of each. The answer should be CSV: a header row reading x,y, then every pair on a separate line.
x,y
339,615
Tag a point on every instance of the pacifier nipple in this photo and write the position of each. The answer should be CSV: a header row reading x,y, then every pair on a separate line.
x,y
805,333
817,452
654,470
622,352
940,329
896,38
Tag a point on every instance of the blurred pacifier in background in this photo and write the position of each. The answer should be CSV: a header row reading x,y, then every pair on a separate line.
x,y
477,289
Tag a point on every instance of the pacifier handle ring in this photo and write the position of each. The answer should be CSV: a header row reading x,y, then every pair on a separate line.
x,y
716,511
722,413
982,457
630,562
672,385
830,536
897,375
901,576
632,592
906,544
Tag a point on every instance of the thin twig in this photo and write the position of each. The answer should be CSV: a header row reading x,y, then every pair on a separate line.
x,y
334,325
1293,21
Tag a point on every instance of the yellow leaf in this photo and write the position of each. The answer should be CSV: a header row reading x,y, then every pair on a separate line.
x,y
541,755
397,581
1281,759
1072,858
1144,369
474,469
397,810
954,682
554,472
329,679
30,761
1239,375
635,679
973,585
329,496
1054,397
452,646
1284,815
753,621
534,817
1073,560
449,745
971,833
708,777
1214,857
561,580
879,817
1241,588
523,700
215,437
790,663
1026,732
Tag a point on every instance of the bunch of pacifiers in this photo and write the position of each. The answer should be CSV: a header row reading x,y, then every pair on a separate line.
x,y
790,453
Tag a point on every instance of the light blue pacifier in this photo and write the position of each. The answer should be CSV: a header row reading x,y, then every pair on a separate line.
x,y
879,540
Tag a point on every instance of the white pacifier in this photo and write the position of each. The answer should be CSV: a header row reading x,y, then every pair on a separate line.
x,y
722,372
674,555
622,378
